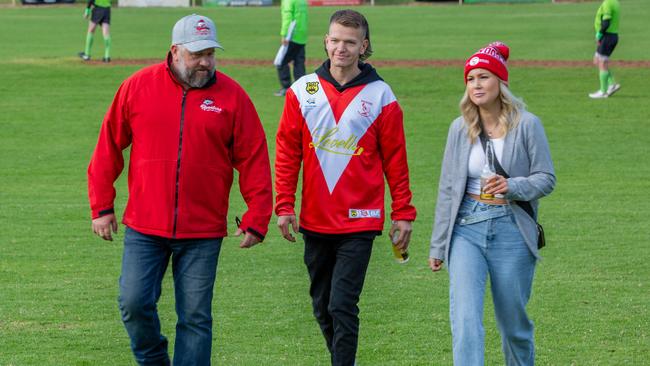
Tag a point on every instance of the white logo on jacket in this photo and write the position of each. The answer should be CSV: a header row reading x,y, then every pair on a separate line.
x,y
336,143
208,106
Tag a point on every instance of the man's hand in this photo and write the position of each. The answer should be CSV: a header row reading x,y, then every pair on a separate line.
x,y
435,264
285,42
404,237
249,239
102,226
87,13
283,225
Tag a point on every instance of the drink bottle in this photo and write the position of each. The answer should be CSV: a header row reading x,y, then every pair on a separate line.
x,y
488,171
401,256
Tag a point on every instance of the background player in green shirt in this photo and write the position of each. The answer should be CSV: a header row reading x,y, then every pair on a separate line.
x,y
293,10
101,14
606,25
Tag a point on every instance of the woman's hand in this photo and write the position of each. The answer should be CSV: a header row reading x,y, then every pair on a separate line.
x,y
496,185
435,264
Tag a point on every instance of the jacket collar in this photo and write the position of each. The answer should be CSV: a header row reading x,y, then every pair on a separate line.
x,y
508,148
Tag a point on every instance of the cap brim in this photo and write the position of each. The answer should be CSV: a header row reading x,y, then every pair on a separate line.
x,y
201,45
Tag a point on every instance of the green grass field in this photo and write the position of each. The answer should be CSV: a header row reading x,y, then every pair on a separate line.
x,y
591,298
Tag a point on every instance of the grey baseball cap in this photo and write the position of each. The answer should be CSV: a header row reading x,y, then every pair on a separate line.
x,y
196,33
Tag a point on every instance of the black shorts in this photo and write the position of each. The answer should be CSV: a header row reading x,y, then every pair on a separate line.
x,y
101,15
607,44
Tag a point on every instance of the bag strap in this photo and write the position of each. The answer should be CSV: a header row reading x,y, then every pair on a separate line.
x,y
525,205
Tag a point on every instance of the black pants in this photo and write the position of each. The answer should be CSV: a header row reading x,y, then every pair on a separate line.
x,y
295,53
337,268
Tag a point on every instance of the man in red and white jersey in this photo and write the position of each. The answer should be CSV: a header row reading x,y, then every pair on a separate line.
x,y
343,123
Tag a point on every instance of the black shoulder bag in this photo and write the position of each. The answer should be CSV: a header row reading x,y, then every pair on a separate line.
x,y
525,205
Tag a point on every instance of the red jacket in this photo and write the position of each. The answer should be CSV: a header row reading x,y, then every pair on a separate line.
x,y
184,146
348,138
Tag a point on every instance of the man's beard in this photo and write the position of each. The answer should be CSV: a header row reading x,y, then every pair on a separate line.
x,y
191,77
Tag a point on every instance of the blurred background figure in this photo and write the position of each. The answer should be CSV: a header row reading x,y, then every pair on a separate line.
x,y
99,12
295,40
606,25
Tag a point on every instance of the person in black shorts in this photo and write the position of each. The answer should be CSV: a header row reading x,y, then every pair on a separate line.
x,y
99,12
606,26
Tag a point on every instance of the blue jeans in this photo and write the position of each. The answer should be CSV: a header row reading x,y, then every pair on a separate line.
x,y
486,241
194,265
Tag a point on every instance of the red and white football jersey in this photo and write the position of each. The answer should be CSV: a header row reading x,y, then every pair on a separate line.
x,y
348,141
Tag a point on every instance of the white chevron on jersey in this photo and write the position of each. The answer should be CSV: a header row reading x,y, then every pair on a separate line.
x,y
336,143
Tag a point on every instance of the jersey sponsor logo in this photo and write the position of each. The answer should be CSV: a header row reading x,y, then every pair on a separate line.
x,y
310,103
312,87
208,106
336,142
355,213
332,142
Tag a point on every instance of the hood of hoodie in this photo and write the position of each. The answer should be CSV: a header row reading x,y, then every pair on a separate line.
x,y
368,74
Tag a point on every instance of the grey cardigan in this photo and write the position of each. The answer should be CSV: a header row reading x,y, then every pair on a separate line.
x,y
526,158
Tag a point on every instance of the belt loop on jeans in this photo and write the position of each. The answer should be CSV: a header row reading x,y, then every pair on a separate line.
x,y
474,204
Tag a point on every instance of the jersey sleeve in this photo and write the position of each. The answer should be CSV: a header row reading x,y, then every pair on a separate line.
x,y
286,9
607,12
288,155
394,161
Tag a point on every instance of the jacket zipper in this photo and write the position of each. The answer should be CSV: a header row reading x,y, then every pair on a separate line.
x,y
178,163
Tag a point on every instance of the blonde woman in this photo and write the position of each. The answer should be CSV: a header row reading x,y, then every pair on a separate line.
x,y
481,230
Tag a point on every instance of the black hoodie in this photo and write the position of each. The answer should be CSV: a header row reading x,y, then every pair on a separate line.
x,y
368,74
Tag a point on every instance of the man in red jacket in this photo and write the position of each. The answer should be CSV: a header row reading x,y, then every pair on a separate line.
x,y
345,125
188,126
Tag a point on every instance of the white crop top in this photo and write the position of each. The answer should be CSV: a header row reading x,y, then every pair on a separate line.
x,y
477,161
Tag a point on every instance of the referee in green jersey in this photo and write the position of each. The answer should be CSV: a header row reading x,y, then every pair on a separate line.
x,y
292,11
99,12
606,25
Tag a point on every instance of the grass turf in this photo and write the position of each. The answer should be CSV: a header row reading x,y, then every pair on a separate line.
x,y
534,31
58,283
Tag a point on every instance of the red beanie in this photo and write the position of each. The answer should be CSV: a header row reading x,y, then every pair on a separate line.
x,y
493,58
